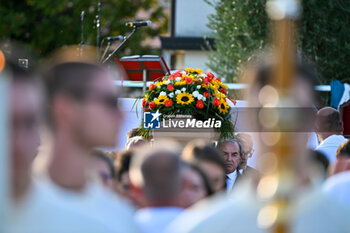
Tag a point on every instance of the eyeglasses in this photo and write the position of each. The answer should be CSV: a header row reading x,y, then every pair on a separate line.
x,y
109,100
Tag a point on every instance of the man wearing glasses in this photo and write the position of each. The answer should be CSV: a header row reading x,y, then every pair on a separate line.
x,y
83,114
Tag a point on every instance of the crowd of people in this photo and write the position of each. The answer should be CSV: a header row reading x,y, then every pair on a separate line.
x,y
151,186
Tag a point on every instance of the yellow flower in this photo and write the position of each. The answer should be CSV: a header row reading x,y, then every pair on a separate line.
x,y
161,99
215,88
146,97
189,70
223,107
184,98
199,71
159,83
219,95
180,83
224,86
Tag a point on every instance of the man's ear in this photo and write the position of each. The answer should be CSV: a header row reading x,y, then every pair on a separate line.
x,y
62,110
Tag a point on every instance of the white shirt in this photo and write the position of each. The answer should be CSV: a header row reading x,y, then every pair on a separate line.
x,y
338,186
230,181
311,212
330,145
39,213
98,203
156,219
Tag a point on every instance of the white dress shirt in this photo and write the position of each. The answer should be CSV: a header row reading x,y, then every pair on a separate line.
x,y
156,219
230,181
330,145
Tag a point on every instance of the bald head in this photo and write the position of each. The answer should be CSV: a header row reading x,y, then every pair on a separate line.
x,y
328,122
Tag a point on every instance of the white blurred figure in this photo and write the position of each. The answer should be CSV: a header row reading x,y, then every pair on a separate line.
x,y
83,114
311,210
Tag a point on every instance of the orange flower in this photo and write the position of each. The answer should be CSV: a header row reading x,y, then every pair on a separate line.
x,y
170,87
188,80
168,103
152,86
200,104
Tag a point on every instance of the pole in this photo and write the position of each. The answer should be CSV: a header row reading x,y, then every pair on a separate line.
x,y
98,27
121,44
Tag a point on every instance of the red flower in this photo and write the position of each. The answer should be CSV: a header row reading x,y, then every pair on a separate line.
x,y
188,80
172,77
216,102
223,90
233,101
170,87
146,109
210,75
152,105
217,79
152,86
206,94
168,103
144,102
177,74
200,104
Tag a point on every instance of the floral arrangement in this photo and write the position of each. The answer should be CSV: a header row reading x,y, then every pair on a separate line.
x,y
191,92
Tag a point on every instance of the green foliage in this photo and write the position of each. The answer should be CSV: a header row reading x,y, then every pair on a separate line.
x,y
45,25
240,28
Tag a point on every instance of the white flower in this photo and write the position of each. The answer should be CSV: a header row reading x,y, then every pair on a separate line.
x,y
178,79
183,89
204,99
202,75
177,92
154,99
167,82
163,93
195,93
200,97
183,72
171,94
199,87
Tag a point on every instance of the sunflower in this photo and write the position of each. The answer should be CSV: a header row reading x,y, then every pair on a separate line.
x,y
161,99
184,98
223,107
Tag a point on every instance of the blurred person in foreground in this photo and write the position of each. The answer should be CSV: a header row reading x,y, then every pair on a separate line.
x,y
32,210
156,173
83,114
311,210
329,129
210,160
